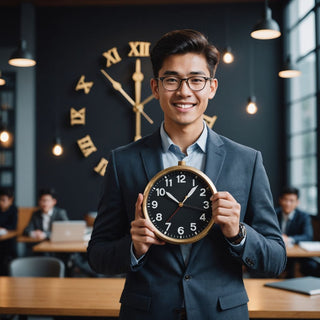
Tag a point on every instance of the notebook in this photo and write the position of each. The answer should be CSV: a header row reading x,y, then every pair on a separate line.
x,y
68,231
310,245
305,285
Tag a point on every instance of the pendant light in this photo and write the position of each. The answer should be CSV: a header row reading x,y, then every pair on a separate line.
x,y
289,70
2,80
267,28
227,56
251,107
57,149
21,57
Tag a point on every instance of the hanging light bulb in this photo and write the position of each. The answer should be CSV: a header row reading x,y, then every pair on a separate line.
x,y
252,106
267,28
2,80
4,136
21,57
57,149
227,56
289,70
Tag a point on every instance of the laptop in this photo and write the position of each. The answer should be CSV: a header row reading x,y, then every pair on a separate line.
x,y
68,231
307,285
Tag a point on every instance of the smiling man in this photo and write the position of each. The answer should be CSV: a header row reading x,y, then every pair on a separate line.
x,y
202,280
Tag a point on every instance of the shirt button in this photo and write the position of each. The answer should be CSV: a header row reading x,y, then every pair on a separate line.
x,y
187,277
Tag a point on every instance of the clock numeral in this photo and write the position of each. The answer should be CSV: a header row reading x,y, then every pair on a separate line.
x,y
181,230
85,86
168,182
160,192
101,167
139,49
77,116
181,178
168,224
210,120
203,217
206,205
159,216
112,57
202,192
154,204
193,226
86,146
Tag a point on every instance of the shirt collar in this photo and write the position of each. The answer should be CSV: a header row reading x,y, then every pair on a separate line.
x,y
289,216
49,214
167,142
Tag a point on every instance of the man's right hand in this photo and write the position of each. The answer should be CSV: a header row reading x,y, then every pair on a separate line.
x,y
142,231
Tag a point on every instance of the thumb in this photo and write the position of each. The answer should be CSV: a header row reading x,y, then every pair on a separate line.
x,y
138,212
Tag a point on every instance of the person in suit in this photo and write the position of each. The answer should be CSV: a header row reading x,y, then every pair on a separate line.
x,y
296,226
202,280
8,221
40,223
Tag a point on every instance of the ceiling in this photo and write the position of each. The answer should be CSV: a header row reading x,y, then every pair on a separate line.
x,y
118,2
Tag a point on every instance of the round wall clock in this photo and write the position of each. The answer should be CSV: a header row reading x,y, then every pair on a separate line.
x,y
136,50
177,202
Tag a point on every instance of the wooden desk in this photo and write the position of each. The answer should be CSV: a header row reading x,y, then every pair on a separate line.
x,y
27,239
297,252
100,297
10,234
48,246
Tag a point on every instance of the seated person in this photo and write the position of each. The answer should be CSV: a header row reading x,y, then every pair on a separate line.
x,y
295,224
8,221
40,223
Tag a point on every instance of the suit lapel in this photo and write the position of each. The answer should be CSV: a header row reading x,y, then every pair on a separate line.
x,y
151,155
214,162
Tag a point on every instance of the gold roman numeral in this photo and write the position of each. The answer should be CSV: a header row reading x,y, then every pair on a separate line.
x,y
139,49
77,116
101,167
82,85
209,120
86,146
112,57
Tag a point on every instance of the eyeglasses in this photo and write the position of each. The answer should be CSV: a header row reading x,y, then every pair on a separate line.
x,y
195,83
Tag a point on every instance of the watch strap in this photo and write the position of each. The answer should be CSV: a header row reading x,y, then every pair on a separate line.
x,y
240,236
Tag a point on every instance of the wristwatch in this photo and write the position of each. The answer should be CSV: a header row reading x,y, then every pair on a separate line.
x,y
240,236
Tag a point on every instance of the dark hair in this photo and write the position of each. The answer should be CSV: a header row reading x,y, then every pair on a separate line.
x,y
180,42
289,190
47,191
6,192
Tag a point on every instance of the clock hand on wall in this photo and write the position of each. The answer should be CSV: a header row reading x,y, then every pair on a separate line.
x,y
137,104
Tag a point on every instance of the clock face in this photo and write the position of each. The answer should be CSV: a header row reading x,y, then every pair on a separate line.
x,y
177,202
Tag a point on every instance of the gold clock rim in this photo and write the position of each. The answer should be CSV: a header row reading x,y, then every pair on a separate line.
x,y
146,192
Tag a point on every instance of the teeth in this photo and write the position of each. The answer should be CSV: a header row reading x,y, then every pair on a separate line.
x,y
184,106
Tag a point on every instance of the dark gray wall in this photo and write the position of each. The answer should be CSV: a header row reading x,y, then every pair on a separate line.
x,y
70,42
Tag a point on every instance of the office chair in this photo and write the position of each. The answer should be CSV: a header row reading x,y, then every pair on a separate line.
x,y
36,267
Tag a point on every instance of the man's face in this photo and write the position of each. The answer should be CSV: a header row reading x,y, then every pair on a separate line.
x,y
46,203
288,202
184,107
5,202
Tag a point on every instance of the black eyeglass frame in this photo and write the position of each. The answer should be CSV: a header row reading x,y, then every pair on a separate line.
x,y
186,80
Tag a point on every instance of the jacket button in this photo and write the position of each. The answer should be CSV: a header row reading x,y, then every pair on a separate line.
x,y
187,277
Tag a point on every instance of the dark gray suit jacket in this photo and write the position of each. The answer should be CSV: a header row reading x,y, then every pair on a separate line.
x,y
35,222
211,284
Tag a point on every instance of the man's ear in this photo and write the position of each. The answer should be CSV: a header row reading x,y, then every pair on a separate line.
x,y
213,88
155,87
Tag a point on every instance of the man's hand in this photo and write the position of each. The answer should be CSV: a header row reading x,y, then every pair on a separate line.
x,y
226,213
38,235
142,233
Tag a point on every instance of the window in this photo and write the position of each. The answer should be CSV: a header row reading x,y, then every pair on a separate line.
x,y
301,102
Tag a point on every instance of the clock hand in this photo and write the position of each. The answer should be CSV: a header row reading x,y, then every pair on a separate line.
x,y
172,197
137,77
192,207
117,86
190,193
145,101
179,207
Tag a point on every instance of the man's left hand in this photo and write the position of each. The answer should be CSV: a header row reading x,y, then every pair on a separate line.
x,y
226,213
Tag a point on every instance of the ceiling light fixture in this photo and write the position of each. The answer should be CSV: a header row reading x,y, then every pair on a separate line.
x,y
21,57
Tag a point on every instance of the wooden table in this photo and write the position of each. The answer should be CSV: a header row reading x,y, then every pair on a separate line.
x,y
48,246
10,234
297,252
100,297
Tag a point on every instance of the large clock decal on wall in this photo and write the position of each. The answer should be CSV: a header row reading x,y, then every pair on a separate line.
x,y
137,50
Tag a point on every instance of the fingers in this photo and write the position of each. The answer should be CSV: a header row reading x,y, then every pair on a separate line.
x,y
226,212
138,209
